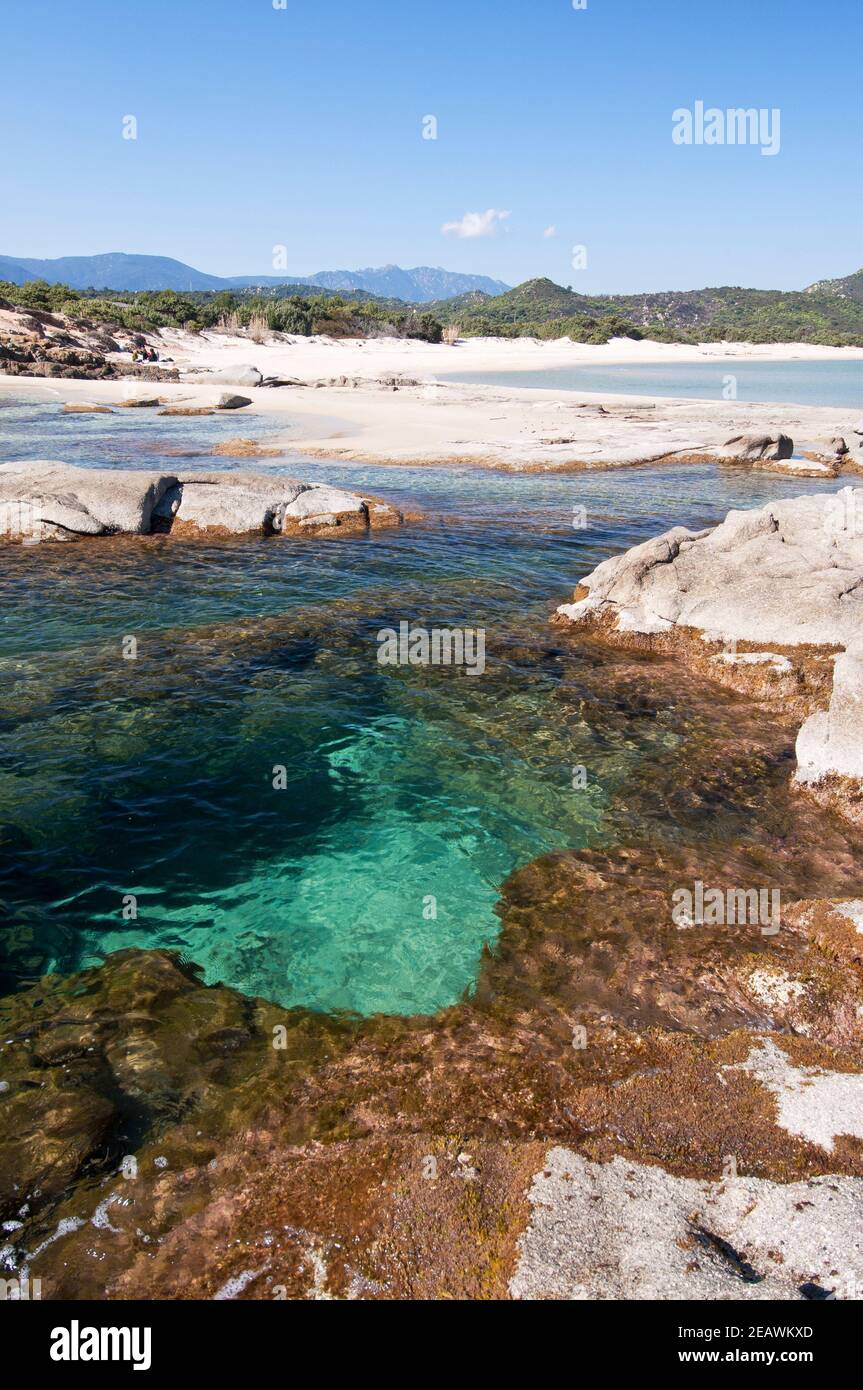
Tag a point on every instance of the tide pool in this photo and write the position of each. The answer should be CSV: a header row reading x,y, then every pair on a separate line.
x,y
138,804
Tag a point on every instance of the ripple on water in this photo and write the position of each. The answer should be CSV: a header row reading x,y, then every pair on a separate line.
x,y
406,790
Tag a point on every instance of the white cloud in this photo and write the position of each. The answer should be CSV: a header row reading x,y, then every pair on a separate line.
x,y
475,224
550,231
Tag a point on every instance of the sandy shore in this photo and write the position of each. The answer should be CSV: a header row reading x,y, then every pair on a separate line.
x,y
427,420
321,356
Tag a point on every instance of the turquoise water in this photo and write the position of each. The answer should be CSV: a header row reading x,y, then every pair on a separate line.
x,y
800,383
370,882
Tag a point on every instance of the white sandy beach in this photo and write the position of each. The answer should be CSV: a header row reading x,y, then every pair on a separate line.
x,y
429,420
371,356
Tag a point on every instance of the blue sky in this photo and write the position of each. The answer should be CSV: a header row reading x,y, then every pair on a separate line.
x,y
302,127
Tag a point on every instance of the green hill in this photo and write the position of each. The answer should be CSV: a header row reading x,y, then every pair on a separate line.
x,y
849,287
830,312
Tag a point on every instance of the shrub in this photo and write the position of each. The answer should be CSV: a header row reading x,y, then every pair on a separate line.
x,y
259,328
38,294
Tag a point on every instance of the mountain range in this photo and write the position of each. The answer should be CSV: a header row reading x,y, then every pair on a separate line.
x,y
118,271
828,312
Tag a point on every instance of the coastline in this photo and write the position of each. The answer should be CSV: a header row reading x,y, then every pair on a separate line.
x,y
375,355
381,401
602,1048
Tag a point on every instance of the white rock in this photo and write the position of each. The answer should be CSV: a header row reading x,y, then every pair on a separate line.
x,y
785,573
324,502
750,448
831,741
236,502
853,910
780,664
82,501
775,988
60,500
624,1230
815,1104
241,375
789,573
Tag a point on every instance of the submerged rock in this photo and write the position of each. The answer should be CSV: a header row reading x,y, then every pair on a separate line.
x,y
211,1145
93,1061
186,1141
628,1231
245,448
170,1139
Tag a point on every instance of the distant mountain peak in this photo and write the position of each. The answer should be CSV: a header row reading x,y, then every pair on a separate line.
x,y
120,270
421,284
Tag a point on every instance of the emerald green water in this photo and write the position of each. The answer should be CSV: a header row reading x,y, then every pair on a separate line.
x,y
153,777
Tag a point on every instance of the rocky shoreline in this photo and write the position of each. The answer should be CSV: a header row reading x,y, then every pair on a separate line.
x,y
769,602
389,402
166,1139
631,1104
42,500
288,1154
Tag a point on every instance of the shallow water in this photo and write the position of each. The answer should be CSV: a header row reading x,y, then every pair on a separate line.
x,y
409,791
800,383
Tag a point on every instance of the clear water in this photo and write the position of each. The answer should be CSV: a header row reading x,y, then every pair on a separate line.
x,y
154,777
799,383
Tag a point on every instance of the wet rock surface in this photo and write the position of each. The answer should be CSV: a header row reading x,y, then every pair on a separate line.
x,y
396,1157
624,1230
387,1158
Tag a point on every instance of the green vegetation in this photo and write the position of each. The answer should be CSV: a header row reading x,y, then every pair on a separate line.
x,y
38,294
830,313
301,311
